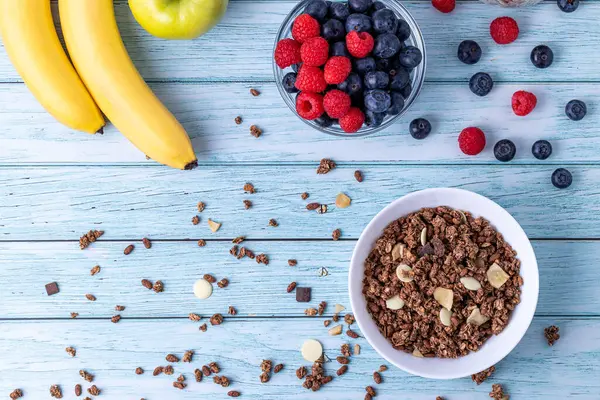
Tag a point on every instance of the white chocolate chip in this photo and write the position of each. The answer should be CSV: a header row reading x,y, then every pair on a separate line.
x,y
417,353
424,236
398,251
312,350
445,316
339,308
444,296
214,226
336,330
394,303
476,318
342,201
403,273
470,283
202,289
496,276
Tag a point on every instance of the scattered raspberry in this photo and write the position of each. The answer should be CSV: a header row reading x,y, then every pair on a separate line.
x,y
359,44
310,79
352,121
471,141
305,27
444,6
287,53
336,103
523,102
309,105
504,30
337,69
314,51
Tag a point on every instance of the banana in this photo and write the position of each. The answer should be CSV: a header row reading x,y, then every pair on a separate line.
x,y
32,45
100,58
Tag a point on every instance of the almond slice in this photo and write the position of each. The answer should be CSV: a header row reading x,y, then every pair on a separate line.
x,y
463,217
445,317
214,226
417,353
339,308
476,318
394,303
336,330
496,276
404,273
342,201
356,349
444,296
470,283
398,251
424,236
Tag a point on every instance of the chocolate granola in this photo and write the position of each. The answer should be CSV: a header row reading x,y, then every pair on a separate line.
x,y
440,282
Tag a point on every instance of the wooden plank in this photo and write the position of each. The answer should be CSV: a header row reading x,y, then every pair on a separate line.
x,y
30,135
566,267
240,47
130,203
112,352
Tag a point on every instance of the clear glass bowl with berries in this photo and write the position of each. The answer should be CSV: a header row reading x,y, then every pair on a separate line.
x,y
349,67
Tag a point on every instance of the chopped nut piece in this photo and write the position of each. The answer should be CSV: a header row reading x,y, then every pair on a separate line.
x,y
238,120
356,349
147,284
223,283
214,367
172,358
119,308
266,365
496,276
195,220
255,131
158,370
206,370
89,238
358,176
497,392
322,306
238,239
278,368
233,393
169,370
265,377
345,349
326,323
292,263
203,328
179,385
201,243
336,330
551,334
198,375
336,234
351,333
95,270
128,249
291,287
311,312
71,351
214,226
147,243
383,368
158,286
90,297
349,319
342,370
301,372
195,317
56,392
325,166
322,209
377,377
232,310
254,92
93,390
187,356
312,206
74,315
371,391
342,360
216,319
249,188
201,206
16,394
304,196
273,222
247,204
398,251
181,378
480,377
445,297
262,259
209,278
139,371
115,319
342,201
78,390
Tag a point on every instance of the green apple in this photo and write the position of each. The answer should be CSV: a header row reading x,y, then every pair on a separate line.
x,y
178,19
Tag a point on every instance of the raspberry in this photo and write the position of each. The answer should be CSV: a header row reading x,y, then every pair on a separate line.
x,y
305,27
314,51
336,103
504,30
523,102
352,121
310,79
337,69
444,6
471,141
287,52
359,44
309,105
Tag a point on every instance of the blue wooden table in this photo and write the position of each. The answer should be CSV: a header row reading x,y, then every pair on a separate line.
x,y
56,184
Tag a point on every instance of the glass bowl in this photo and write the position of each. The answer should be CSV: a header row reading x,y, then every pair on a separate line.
x,y
417,75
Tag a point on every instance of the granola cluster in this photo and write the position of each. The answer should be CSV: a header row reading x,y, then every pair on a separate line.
x,y
439,283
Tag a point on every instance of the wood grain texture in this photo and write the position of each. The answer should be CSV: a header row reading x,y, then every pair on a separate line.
x,y
240,47
569,370
566,268
207,111
133,202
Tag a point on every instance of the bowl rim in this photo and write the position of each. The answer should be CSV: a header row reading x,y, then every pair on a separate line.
x,y
419,74
366,323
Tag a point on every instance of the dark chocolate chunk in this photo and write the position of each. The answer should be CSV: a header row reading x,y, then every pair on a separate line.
x,y
302,294
52,288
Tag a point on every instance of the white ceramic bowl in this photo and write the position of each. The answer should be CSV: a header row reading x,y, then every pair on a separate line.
x,y
497,347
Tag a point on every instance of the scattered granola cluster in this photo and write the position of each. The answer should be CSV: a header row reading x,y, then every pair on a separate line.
x,y
551,334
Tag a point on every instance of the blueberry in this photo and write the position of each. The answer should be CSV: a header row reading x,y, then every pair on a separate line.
x,y
373,119
562,178
339,49
364,65
403,31
406,91
567,6
339,11
541,149
469,52
377,101
360,6
376,80
386,45
385,21
325,121
410,57
542,56
316,9
333,30
383,64
289,82
481,84
504,150
399,79
419,128
576,110
296,67
358,22
378,5
352,85
397,103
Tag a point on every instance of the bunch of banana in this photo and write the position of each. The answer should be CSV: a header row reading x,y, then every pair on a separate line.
x,y
103,70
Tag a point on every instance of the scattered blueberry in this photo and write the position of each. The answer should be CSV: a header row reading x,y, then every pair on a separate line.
x,y
406,91
325,121
377,101
469,52
399,79
296,67
576,110
339,11
333,29
316,9
481,84
376,80
541,149
289,82
567,6
377,5
385,21
397,103
352,85
383,64
364,65
358,22
542,56
386,45
562,178
339,49
373,119
420,128
505,150
360,6
403,32
410,57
